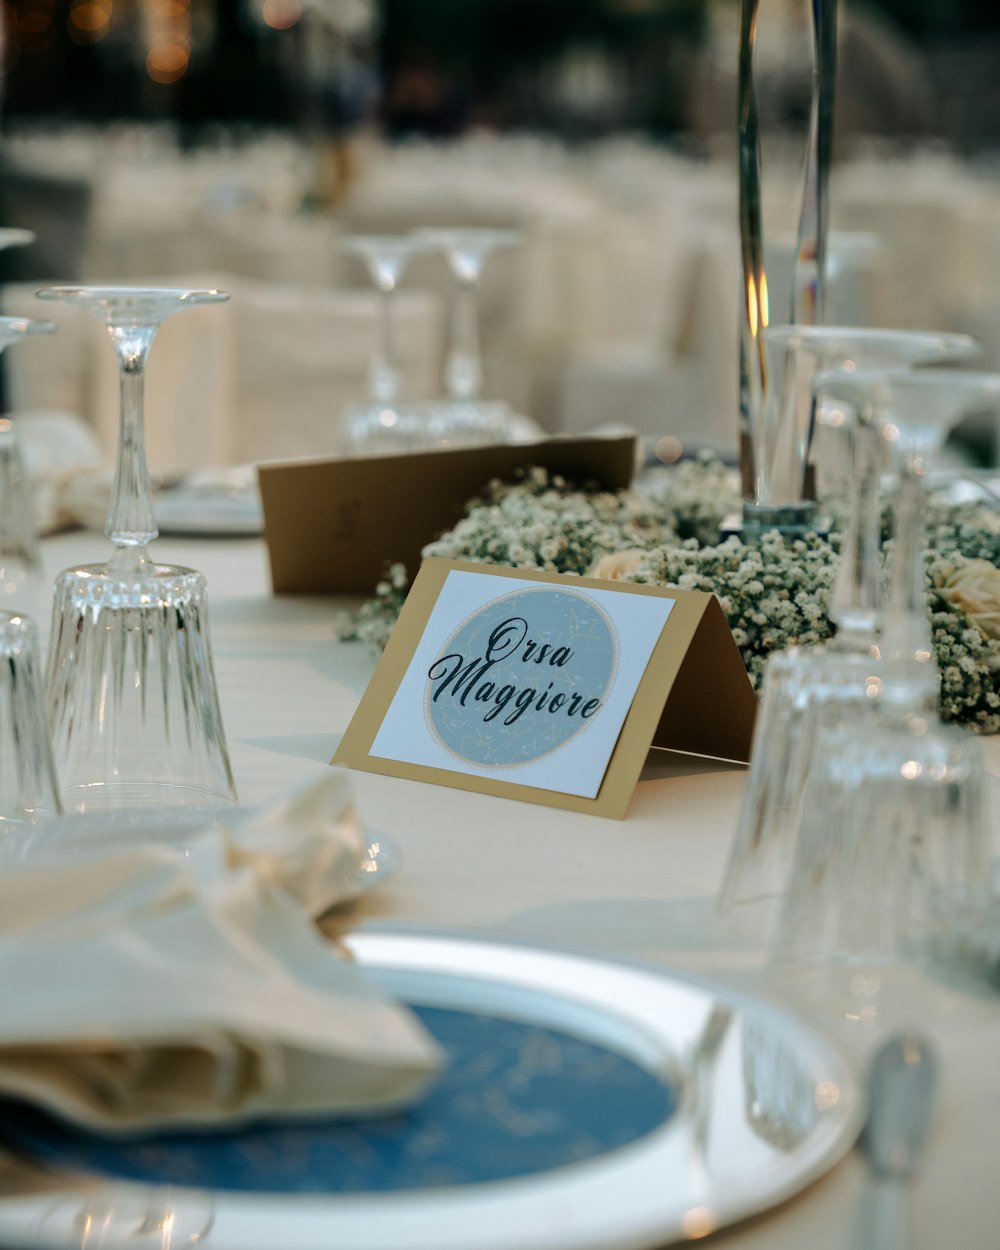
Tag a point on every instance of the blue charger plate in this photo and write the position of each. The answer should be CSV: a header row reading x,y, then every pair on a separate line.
x,y
513,1099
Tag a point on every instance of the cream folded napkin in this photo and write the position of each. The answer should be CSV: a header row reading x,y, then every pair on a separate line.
x,y
59,450
151,987
311,843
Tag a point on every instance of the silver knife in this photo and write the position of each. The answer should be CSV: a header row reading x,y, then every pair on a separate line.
x,y
901,1090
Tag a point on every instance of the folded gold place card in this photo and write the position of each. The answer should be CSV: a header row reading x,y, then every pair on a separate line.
x,y
333,525
548,688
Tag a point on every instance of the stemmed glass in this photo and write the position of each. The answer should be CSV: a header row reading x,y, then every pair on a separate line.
x,y
18,541
914,411
382,423
892,856
892,853
805,686
28,787
466,416
130,684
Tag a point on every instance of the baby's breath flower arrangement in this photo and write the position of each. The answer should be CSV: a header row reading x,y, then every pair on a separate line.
x,y
540,522
372,623
694,497
774,593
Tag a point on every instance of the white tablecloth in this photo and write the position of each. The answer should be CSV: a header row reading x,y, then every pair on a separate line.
x,y
642,887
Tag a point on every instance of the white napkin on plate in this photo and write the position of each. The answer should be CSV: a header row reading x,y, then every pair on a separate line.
x,y
150,987
311,843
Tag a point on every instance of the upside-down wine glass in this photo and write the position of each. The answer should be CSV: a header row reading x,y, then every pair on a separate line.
x,y
18,540
914,410
465,416
893,848
807,686
28,787
130,684
382,423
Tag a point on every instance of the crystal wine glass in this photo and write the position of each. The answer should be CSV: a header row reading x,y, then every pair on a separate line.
x,y
914,410
892,862
130,683
893,848
28,787
465,416
805,686
18,541
381,423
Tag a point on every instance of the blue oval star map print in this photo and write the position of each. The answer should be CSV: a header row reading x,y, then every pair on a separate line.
x,y
521,677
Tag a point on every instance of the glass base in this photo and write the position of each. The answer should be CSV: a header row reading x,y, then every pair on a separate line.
x,y
373,428
791,519
806,690
131,690
130,1218
468,422
109,796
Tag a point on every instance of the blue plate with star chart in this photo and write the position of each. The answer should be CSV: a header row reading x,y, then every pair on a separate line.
x,y
584,1103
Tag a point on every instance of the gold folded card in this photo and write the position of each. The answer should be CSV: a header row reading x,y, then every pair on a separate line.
x,y
549,688
333,525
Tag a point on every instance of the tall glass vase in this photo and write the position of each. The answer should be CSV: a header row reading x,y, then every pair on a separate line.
x,y
776,416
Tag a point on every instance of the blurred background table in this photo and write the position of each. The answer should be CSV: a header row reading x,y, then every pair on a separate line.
x,y
620,304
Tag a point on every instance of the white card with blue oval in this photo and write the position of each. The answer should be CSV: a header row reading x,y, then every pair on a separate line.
x,y
524,683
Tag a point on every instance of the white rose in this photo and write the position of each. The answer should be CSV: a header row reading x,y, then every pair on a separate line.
x,y
618,564
975,588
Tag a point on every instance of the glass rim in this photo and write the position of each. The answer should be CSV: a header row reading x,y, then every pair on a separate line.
x,y
459,236
370,241
181,294
928,379
827,335
16,327
15,236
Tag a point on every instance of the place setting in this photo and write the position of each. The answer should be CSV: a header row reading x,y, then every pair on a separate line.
x,y
610,856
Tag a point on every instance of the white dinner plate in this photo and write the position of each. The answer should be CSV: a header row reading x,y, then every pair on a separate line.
x,y
77,834
762,1106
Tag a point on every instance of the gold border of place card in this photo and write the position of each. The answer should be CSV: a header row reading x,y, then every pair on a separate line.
x,y
333,525
694,694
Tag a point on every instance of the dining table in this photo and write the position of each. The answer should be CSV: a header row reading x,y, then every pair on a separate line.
x,y
642,888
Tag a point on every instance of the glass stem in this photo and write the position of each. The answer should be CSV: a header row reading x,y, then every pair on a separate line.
x,y
464,375
130,521
855,602
384,377
907,630
753,362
